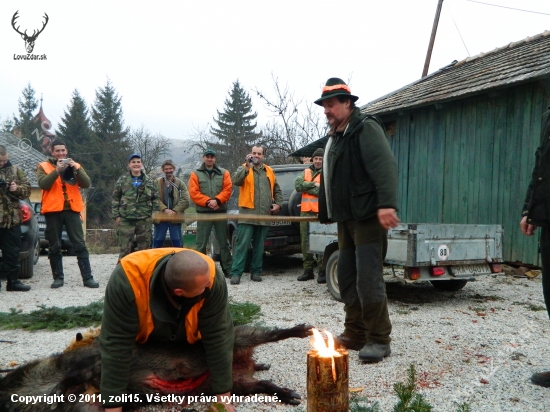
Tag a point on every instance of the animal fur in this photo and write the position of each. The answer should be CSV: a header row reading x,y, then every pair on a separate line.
x,y
156,368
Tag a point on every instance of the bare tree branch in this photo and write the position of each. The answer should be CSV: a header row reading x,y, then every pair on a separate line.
x,y
150,147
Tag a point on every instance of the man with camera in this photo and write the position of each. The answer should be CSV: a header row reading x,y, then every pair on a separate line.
x,y
60,179
259,194
14,186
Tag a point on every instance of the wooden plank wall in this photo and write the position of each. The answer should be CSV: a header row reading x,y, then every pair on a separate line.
x,y
470,161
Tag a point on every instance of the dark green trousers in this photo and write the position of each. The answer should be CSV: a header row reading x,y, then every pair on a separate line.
x,y
362,249
220,230
73,226
246,234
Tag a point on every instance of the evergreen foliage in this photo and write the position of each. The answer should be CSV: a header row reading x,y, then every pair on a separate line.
x,y
74,128
24,122
235,129
109,148
409,399
54,318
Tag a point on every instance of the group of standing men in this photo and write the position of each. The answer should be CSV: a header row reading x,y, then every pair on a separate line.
x,y
136,197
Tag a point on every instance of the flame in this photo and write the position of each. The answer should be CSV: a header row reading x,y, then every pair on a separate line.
x,y
325,350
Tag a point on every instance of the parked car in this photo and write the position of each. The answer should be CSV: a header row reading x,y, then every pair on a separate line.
x,y
65,241
283,237
29,254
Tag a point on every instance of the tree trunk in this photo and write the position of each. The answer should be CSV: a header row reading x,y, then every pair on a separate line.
x,y
327,382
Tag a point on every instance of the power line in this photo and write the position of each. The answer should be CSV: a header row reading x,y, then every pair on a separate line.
x,y
459,34
511,8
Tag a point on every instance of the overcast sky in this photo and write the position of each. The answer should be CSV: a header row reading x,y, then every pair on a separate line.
x,y
173,62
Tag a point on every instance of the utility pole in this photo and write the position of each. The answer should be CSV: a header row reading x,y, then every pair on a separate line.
x,y
432,39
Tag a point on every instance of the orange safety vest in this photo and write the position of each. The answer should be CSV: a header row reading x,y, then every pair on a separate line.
x,y
139,268
246,191
53,200
310,203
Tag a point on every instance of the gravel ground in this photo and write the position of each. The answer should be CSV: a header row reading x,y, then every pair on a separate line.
x,y
477,346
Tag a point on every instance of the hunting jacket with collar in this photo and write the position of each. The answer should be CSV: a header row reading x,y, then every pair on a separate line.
x,y
261,191
10,209
360,170
537,200
180,195
204,186
130,202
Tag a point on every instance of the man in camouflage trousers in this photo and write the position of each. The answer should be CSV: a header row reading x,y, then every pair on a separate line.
x,y
135,198
14,186
308,184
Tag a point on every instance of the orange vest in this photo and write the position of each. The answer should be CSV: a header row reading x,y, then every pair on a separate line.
x,y
139,268
246,191
310,203
53,200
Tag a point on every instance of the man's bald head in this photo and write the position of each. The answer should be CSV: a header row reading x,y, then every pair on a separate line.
x,y
189,271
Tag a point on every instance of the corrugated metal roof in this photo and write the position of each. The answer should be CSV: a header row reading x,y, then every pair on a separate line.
x,y
23,156
518,62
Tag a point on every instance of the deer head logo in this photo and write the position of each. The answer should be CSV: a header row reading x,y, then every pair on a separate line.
x,y
29,40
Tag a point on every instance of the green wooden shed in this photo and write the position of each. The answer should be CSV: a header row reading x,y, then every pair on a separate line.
x,y
465,138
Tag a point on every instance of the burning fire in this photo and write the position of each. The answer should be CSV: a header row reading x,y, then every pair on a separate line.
x,y
325,350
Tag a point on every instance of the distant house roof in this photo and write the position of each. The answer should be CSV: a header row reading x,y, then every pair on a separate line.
x,y
22,155
518,62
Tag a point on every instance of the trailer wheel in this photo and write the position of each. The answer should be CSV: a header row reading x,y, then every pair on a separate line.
x,y
449,285
332,276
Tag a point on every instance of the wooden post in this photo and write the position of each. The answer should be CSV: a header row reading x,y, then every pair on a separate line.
x,y
327,382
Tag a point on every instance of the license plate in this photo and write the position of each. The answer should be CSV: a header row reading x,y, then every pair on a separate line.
x,y
465,270
42,226
280,223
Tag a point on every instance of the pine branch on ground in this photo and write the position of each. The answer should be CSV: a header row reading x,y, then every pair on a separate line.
x,y
409,399
54,318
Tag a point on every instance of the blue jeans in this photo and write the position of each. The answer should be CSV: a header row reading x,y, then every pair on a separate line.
x,y
160,234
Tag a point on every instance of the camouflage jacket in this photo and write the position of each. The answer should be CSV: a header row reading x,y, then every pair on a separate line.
x,y
10,210
131,202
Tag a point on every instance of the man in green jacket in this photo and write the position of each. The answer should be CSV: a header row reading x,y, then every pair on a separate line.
x,y
165,295
259,194
359,192
210,188
308,184
14,186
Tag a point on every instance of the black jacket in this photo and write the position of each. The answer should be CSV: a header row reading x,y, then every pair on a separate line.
x,y
537,200
362,172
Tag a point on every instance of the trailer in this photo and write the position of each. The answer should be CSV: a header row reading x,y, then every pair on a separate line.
x,y
447,255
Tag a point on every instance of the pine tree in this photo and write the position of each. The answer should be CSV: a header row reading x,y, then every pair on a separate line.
x,y
74,128
235,132
109,148
24,123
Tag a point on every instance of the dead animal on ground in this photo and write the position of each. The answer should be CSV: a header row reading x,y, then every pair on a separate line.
x,y
176,368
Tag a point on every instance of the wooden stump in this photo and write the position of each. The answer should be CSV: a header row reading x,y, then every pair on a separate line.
x,y
327,382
